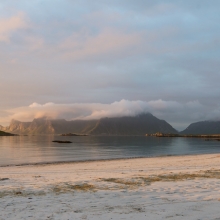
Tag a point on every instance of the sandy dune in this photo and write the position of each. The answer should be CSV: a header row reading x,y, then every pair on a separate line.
x,y
181,187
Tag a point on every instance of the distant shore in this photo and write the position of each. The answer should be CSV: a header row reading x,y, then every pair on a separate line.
x,y
2,133
159,134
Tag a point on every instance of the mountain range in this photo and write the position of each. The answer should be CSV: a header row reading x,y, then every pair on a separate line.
x,y
127,125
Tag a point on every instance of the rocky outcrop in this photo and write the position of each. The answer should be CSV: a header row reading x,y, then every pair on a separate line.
x,y
37,126
47,126
17,126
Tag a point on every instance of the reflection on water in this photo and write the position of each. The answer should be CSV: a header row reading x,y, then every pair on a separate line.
x,y
39,149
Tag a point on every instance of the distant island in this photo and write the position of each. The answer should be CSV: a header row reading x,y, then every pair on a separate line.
x,y
72,134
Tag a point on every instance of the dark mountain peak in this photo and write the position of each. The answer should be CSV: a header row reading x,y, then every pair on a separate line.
x,y
145,114
203,127
132,125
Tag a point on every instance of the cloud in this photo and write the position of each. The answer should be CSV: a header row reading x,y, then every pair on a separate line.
x,y
102,51
84,44
180,115
36,105
10,25
34,43
79,110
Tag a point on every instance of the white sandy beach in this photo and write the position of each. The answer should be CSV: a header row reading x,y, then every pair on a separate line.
x,y
180,187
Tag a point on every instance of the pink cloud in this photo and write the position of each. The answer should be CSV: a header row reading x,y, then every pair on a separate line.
x,y
9,25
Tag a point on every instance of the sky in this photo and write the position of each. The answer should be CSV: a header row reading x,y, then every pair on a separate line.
x,y
82,59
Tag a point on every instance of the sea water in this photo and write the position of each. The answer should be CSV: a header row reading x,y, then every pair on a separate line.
x,y
19,150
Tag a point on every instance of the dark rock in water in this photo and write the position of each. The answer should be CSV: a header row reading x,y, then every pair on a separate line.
x,y
62,142
3,179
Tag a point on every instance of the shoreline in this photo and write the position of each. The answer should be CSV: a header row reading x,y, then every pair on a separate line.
x,y
167,187
101,160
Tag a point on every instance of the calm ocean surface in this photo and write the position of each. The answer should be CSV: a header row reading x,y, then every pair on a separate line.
x,y
40,149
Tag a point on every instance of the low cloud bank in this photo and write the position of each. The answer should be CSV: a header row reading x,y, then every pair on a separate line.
x,y
179,115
